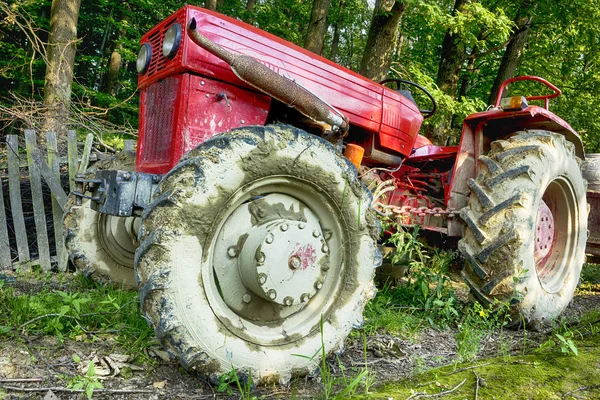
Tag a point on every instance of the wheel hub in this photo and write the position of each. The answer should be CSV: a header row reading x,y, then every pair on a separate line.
x,y
284,261
119,237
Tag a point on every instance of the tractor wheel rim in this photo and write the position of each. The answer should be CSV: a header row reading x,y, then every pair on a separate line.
x,y
554,241
118,237
272,281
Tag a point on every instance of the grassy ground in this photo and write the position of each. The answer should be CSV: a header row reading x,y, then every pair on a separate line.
x,y
421,337
565,364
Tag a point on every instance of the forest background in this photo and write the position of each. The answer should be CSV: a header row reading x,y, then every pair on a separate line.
x,y
460,50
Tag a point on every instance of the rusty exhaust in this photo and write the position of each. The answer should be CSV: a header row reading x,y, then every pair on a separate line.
x,y
271,83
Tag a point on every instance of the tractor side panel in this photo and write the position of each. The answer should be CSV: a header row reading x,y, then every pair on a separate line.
x,y
400,123
180,112
357,97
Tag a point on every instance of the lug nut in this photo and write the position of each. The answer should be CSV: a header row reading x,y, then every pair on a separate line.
x,y
294,262
232,252
301,225
325,249
316,234
247,298
318,285
269,239
260,257
305,297
262,278
325,267
288,301
284,227
272,294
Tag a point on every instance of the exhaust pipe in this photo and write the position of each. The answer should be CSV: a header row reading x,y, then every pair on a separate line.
x,y
271,83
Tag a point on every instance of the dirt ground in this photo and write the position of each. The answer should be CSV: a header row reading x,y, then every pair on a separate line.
x,y
30,368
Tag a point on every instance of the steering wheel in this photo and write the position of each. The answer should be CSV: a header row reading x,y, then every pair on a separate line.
x,y
399,82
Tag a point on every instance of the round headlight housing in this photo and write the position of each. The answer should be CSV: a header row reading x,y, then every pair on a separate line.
x,y
171,41
143,59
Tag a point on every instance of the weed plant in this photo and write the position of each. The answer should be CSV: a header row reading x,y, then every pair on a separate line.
x,y
477,323
80,309
425,296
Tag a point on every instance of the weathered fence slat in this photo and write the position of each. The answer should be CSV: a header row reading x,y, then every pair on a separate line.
x,y
85,157
39,213
73,157
5,258
51,179
57,208
14,187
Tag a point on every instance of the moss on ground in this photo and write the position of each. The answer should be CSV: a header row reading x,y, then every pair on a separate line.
x,y
551,372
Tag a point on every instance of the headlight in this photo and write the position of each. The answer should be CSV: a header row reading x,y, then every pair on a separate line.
x,y
171,41
143,58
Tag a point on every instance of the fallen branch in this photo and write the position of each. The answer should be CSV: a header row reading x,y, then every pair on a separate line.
x,y
44,316
440,394
13,380
67,390
467,368
476,385
581,389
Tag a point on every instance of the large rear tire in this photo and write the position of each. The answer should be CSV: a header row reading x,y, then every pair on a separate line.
x,y
101,246
260,249
527,226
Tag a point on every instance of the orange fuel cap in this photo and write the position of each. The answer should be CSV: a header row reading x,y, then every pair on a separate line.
x,y
354,153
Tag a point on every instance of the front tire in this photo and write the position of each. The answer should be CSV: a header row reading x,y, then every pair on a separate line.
x,y
260,248
527,226
102,246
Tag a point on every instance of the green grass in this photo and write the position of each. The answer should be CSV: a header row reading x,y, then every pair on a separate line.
x,y
425,298
52,304
548,373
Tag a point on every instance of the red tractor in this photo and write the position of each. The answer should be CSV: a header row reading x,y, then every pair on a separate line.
x,y
254,240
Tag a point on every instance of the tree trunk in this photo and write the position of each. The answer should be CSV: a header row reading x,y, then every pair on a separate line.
x,y
115,61
335,41
317,27
452,58
211,4
514,50
61,57
381,39
451,62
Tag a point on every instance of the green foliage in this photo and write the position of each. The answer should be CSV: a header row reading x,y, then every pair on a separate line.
x,y
88,382
563,46
426,294
562,340
232,378
476,324
81,311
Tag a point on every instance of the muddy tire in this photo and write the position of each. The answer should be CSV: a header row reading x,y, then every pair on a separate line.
x,y
260,247
526,226
100,246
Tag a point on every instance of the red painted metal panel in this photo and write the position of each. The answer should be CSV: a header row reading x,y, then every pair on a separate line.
x,y
360,99
533,117
215,107
180,112
400,123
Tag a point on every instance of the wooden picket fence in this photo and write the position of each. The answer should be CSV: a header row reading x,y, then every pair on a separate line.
x,y
38,167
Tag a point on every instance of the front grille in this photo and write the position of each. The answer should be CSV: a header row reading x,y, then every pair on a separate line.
x,y
158,62
159,116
